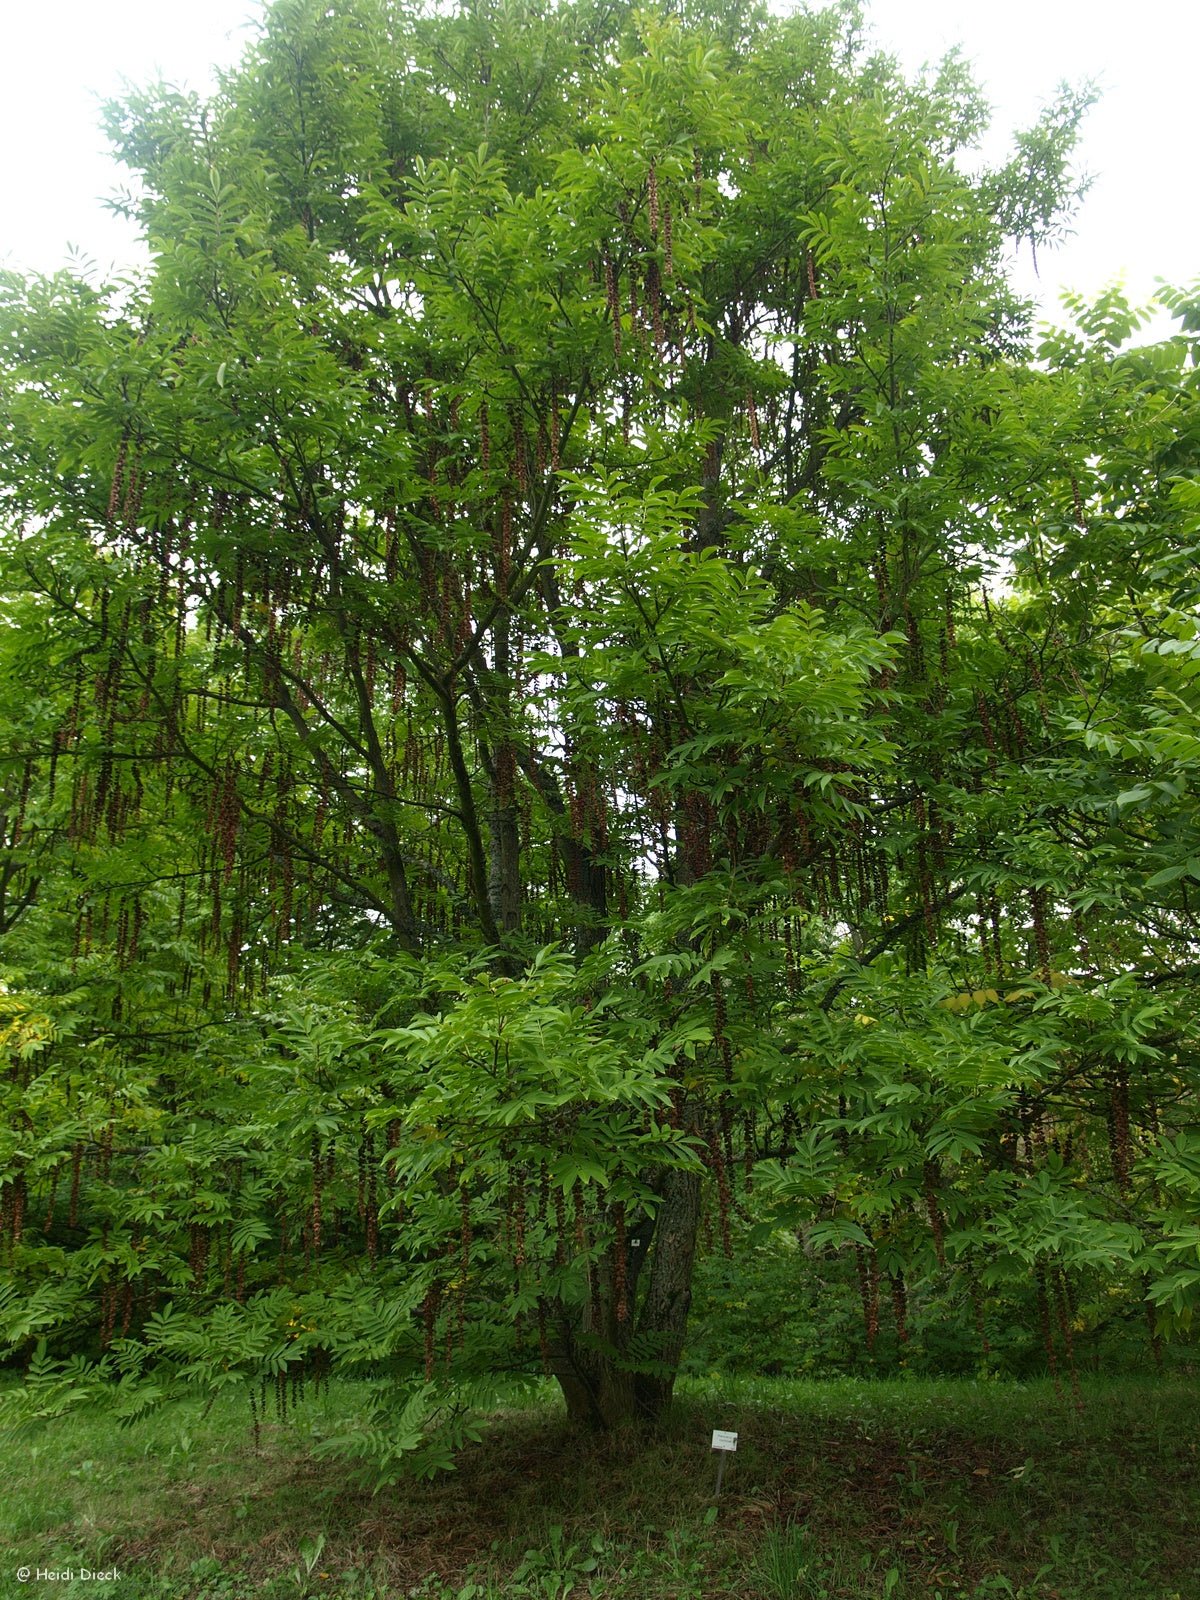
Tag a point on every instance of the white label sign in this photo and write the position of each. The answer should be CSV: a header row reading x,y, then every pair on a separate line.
x,y
724,1441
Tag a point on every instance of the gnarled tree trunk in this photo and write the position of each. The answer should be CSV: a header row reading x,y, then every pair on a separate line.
x,y
615,1372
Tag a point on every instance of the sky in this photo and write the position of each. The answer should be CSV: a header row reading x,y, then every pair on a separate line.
x,y
1139,221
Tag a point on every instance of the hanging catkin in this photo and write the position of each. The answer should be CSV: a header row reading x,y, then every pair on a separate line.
x,y
1118,1128
117,489
937,1224
315,1209
48,1219
519,1221
612,294
867,1273
620,1263
1037,898
76,1179
720,1172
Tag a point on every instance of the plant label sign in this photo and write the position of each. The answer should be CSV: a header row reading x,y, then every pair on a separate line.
x,y
724,1441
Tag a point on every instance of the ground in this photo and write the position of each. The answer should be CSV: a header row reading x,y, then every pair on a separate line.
x,y
843,1489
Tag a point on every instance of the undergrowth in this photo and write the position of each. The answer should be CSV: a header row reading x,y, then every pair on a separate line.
x,y
873,1490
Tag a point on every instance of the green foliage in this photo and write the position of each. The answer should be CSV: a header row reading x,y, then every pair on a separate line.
x,y
562,1568
568,668
786,1308
415,1434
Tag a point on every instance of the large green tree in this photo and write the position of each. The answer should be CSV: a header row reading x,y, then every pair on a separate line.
x,y
566,663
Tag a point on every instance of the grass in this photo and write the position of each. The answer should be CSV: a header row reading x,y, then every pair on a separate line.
x,y
872,1490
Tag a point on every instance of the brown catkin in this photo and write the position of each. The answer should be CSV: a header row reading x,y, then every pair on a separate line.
x,y
17,1211
76,1177
620,1263
752,416
117,489
465,1237
1037,899
868,1292
555,430
520,459
372,1201
1118,1128
721,1173
937,1224
719,1027
315,1210
48,1219
654,298
985,724
518,1222
612,293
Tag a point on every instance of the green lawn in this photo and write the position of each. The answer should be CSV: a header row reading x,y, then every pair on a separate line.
x,y
855,1489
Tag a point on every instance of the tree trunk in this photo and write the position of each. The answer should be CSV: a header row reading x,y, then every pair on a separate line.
x,y
664,1312
504,877
603,1385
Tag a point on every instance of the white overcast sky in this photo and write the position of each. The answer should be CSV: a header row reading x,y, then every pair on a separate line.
x,y
1139,222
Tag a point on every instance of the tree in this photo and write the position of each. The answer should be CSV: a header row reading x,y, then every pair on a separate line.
x,y
563,694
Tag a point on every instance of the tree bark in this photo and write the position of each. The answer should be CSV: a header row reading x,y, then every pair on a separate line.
x,y
504,877
605,1383
664,1311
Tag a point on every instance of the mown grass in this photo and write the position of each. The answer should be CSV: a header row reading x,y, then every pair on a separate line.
x,y
844,1489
